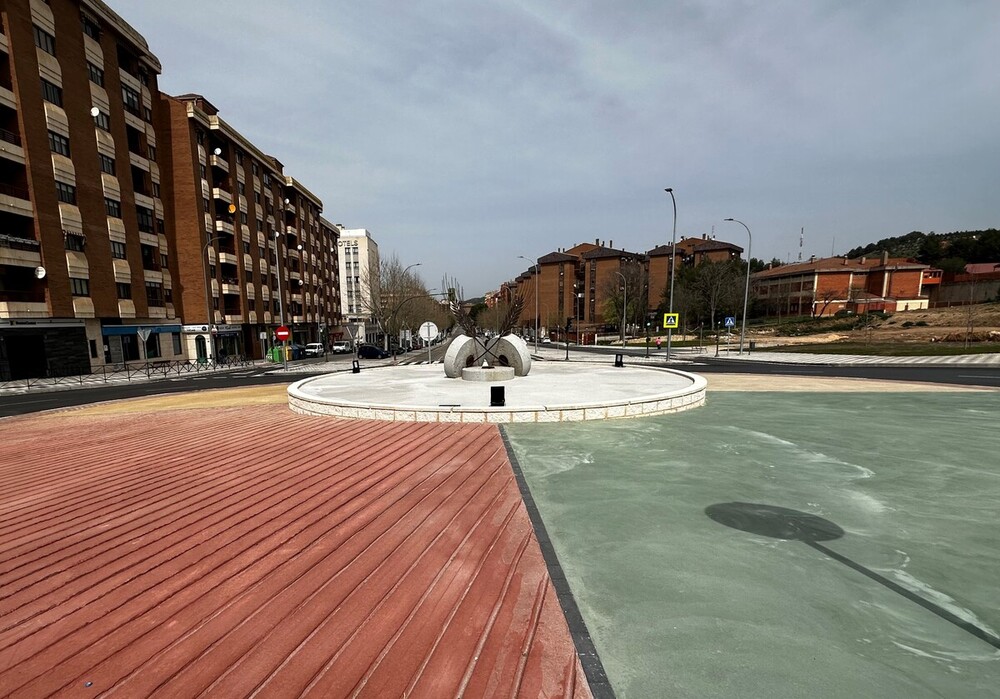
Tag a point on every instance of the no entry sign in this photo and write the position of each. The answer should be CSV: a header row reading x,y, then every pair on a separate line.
x,y
282,333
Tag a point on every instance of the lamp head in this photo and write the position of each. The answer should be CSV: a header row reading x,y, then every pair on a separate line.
x,y
729,219
669,189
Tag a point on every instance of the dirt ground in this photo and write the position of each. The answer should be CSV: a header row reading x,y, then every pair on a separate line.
x,y
942,325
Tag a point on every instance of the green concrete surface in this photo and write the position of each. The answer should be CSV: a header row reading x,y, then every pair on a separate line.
x,y
681,605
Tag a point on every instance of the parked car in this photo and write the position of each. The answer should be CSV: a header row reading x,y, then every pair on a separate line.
x,y
372,352
315,349
341,347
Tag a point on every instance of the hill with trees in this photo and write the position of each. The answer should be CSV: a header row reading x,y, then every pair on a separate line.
x,y
947,251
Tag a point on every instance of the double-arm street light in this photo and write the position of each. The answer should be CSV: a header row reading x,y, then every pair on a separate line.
x,y
535,265
673,260
209,311
746,289
281,297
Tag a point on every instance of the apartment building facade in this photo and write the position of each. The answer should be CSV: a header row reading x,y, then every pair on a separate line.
x,y
84,256
359,265
252,253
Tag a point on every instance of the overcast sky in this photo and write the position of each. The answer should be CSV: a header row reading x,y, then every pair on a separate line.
x,y
464,134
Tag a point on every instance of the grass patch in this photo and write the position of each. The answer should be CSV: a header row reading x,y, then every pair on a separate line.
x,y
893,349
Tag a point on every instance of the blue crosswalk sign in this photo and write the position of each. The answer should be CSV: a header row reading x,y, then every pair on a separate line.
x,y
730,322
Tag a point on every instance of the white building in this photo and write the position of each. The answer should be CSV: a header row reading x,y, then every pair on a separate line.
x,y
358,254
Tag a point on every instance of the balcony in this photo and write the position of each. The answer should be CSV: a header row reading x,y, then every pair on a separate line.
x,y
227,257
7,98
230,287
20,252
15,200
222,195
219,162
224,227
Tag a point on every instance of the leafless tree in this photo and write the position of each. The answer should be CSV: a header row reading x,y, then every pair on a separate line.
x,y
827,297
392,289
634,293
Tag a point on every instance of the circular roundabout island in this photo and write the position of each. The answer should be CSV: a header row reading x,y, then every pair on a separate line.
x,y
552,392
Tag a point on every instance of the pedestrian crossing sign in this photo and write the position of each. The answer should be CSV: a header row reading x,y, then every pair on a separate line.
x,y
670,320
730,322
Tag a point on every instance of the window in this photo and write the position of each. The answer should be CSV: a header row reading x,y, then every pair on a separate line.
x,y
145,217
151,152
239,157
45,41
79,287
161,227
124,290
176,337
149,257
256,198
246,247
168,295
147,114
74,241
102,121
132,100
144,76
243,218
65,192
91,28
156,189
96,74
204,174
154,293
113,208
51,93
252,304
200,137
59,143
163,261
107,164
118,251
254,169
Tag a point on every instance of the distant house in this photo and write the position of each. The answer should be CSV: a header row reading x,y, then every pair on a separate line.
x,y
978,283
823,286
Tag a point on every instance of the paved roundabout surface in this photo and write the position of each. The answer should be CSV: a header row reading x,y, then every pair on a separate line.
x,y
550,393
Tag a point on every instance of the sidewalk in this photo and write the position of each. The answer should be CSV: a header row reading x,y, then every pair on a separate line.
x,y
687,355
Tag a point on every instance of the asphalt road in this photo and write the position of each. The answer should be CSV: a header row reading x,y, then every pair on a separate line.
x,y
36,401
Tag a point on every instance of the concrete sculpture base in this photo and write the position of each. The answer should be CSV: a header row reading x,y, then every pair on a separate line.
x,y
494,373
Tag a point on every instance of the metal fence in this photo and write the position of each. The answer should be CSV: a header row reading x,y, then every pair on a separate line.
x,y
76,374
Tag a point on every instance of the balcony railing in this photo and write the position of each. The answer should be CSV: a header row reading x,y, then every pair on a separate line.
x,y
11,296
15,243
10,137
12,191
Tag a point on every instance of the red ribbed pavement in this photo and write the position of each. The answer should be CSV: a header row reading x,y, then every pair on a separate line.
x,y
256,552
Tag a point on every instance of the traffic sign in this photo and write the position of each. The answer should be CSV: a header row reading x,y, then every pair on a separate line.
x,y
282,333
428,331
671,320
730,322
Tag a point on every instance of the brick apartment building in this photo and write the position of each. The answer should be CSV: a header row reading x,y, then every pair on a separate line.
x,y
117,201
577,282
84,257
268,258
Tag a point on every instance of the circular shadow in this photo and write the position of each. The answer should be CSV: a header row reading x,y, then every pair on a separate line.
x,y
775,522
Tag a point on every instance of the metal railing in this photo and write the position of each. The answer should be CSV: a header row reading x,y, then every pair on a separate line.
x,y
82,374
12,191
9,136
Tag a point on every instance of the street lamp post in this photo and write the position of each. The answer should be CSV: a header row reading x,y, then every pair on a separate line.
x,y
281,300
746,288
535,265
673,261
624,305
209,312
